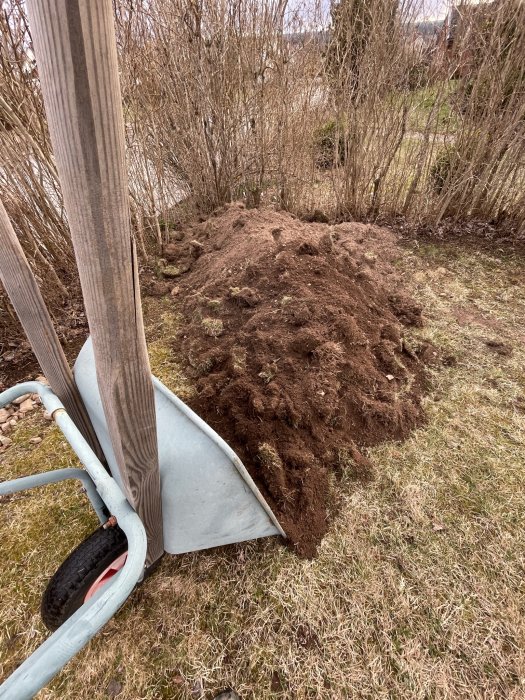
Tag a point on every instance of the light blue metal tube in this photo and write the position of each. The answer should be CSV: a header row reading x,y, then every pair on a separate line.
x,y
75,633
62,645
50,401
72,434
25,483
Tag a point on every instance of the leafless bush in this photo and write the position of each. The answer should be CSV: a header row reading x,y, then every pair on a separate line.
x,y
353,111
229,101
28,179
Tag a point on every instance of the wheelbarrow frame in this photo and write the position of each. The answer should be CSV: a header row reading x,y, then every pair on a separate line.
x,y
102,490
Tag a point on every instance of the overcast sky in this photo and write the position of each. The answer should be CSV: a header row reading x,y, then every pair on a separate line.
x,y
429,9
435,9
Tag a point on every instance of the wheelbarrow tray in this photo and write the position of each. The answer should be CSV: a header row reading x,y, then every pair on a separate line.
x,y
208,497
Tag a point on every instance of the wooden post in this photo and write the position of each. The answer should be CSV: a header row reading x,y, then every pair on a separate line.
x,y
76,53
22,288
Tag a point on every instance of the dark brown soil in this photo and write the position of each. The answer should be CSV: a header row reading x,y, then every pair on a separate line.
x,y
294,336
17,361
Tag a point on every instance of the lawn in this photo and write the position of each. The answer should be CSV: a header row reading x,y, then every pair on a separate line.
x,y
417,591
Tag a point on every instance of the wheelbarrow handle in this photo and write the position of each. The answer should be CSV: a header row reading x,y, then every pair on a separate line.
x,y
39,668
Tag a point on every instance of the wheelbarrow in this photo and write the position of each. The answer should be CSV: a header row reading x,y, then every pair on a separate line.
x,y
208,500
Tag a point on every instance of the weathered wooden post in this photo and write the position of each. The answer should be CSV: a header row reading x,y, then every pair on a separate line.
x,y
22,288
76,55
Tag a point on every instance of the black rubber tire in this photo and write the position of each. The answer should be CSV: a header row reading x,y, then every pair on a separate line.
x,y
67,589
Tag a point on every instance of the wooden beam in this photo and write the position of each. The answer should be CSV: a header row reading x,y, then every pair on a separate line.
x,y
22,288
76,54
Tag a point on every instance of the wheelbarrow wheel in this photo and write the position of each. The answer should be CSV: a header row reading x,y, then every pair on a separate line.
x,y
86,570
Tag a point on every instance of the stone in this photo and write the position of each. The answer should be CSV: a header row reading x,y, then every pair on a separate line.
x,y
114,688
27,406
20,400
5,441
35,440
197,691
227,695
4,415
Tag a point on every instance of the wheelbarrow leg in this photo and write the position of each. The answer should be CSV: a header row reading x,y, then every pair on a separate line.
x,y
24,483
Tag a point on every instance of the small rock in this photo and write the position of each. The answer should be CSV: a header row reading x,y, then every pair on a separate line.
x,y
27,405
390,377
6,428
5,441
41,379
4,415
197,690
175,291
48,416
227,694
35,440
20,400
114,688
13,422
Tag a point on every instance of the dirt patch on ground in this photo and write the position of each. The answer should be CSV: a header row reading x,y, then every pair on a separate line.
x,y
293,335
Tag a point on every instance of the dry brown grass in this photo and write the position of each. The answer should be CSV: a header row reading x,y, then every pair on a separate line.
x,y
417,591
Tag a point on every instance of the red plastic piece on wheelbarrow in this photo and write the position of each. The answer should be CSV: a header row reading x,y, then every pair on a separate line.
x,y
106,575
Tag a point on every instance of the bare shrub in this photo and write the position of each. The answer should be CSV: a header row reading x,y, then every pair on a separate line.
x,y
227,105
485,168
348,111
28,179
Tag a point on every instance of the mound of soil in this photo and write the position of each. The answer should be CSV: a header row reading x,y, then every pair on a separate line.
x,y
293,333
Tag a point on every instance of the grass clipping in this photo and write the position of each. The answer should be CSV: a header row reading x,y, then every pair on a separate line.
x,y
293,333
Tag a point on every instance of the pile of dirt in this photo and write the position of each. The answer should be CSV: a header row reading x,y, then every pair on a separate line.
x,y
293,333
